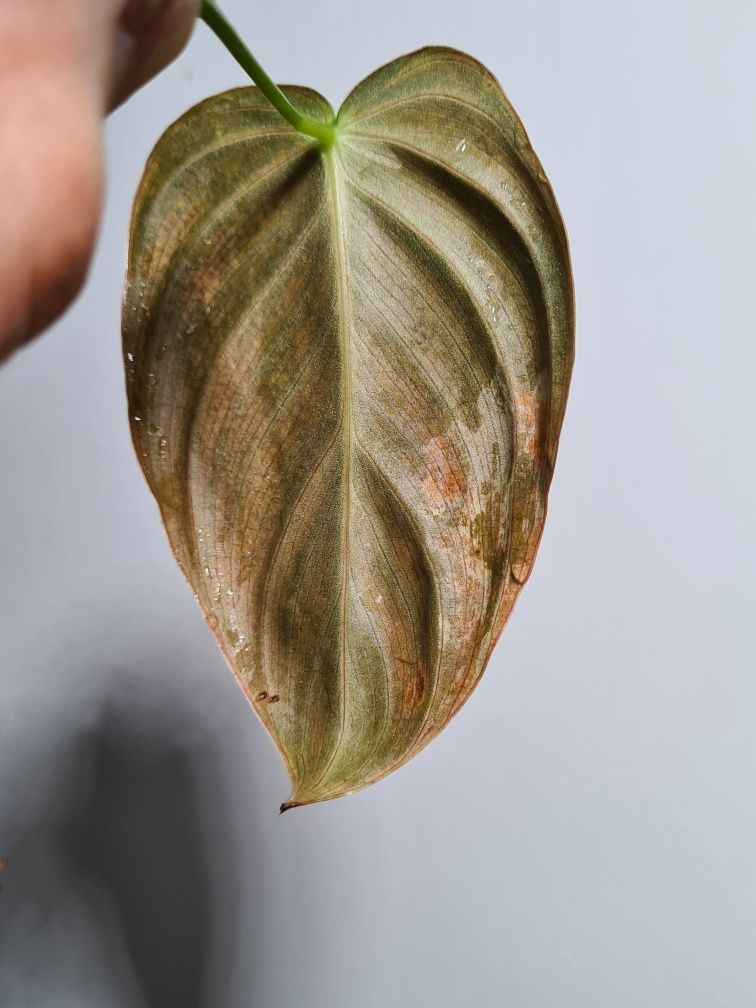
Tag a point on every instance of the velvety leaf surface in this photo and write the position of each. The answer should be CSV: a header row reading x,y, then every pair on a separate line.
x,y
347,373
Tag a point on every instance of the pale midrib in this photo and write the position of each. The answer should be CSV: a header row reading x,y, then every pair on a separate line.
x,y
335,200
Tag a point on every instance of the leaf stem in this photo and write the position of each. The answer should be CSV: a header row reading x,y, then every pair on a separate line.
x,y
214,18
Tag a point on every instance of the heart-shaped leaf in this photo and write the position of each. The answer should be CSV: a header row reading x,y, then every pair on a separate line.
x,y
347,372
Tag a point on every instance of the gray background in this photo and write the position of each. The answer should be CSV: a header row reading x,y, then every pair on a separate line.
x,y
584,833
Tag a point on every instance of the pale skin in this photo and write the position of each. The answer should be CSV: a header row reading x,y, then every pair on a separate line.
x,y
64,64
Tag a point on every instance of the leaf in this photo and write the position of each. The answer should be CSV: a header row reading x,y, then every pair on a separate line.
x,y
347,373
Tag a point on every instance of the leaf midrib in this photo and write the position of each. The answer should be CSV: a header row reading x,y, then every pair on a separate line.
x,y
335,201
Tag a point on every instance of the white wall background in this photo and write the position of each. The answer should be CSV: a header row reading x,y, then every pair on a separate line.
x,y
584,834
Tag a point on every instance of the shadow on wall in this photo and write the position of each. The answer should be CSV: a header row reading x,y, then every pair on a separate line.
x,y
137,834
135,803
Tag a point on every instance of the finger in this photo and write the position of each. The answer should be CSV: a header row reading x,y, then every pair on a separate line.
x,y
50,161
150,34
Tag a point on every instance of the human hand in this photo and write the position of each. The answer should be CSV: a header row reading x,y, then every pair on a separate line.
x,y
63,65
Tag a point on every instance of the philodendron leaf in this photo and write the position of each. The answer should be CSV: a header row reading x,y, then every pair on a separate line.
x,y
347,373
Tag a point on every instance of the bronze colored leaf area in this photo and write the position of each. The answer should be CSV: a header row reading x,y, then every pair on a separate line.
x,y
347,372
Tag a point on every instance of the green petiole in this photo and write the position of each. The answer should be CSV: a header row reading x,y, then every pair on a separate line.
x,y
324,133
